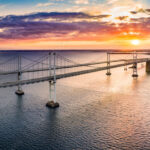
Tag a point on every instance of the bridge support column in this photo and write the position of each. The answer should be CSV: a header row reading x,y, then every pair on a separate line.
x,y
148,66
52,84
52,94
125,67
108,65
135,74
19,90
142,65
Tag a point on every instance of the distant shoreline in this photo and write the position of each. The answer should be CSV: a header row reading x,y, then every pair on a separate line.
x,y
78,50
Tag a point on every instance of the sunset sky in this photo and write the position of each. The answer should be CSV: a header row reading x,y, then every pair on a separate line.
x,y
74,24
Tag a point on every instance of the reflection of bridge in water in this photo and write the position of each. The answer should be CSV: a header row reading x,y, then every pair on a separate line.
x,y
52,67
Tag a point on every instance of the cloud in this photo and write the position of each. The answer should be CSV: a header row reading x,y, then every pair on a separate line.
x,y
37,25
122,18
147,10
44,4
85,2
41,16
141,10
111,1
70,26
133,12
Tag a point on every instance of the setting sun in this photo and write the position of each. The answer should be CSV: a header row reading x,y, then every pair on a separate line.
x,y
135,42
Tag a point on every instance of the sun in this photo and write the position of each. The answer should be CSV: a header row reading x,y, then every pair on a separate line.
x,y
135,42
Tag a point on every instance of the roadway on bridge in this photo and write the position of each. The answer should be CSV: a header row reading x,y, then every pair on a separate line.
x,y
65,75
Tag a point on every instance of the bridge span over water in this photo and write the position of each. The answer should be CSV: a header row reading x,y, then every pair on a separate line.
x,y
53,66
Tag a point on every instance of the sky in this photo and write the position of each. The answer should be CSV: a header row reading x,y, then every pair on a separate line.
x,y
74,24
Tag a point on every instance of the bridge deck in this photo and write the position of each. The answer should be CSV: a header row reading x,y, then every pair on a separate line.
x,y
61,67
60,76
142,53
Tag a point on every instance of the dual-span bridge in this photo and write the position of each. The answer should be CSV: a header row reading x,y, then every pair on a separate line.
x,y
53,66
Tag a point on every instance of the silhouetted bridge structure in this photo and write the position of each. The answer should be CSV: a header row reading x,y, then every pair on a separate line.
x,y
52,67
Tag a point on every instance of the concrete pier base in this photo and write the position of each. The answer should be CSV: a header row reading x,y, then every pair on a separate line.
x,y
148,67
135,75
133,67
19,92
52,104
108,74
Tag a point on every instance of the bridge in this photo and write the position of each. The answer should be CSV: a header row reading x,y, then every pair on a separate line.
x,y
52,67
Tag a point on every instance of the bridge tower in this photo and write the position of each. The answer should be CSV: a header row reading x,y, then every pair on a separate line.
x,y
19,90
52,83
108,64
135,74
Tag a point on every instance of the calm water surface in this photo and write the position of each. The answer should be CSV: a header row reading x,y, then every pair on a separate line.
x,y
96,112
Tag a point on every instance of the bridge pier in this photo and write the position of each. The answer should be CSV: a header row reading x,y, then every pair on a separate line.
x,y
19,90
125,67
135,74
108,65
142,65
52,93
52,84
148,66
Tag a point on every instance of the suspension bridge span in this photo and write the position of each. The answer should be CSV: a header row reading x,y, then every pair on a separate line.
x,y
53,66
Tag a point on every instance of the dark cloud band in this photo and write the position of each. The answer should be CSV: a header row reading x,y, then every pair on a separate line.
x,y
67,25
